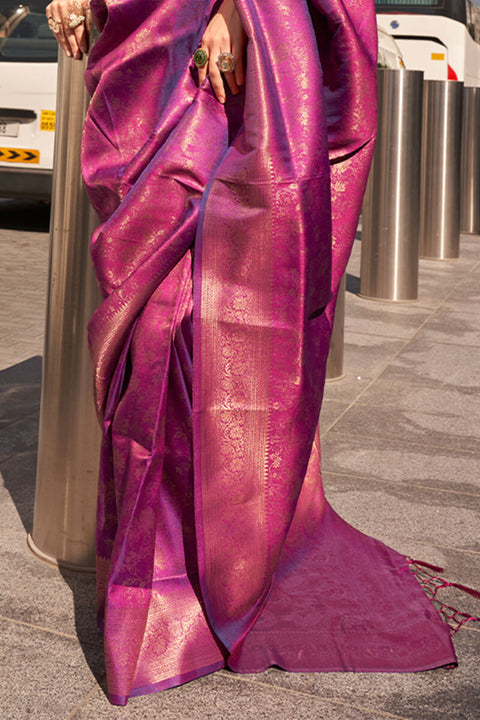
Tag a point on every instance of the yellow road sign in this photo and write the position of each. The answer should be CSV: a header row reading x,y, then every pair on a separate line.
x,y
19,155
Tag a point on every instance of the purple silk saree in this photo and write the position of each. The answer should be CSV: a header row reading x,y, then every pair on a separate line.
x,y
224,234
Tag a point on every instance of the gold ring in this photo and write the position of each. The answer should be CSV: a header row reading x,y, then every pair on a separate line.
x,y
54,25
75,20
200,58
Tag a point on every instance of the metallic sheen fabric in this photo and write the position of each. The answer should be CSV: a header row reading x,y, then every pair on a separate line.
x,y
224,233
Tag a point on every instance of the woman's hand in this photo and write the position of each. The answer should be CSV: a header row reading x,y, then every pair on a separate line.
x,y
224,33
63,16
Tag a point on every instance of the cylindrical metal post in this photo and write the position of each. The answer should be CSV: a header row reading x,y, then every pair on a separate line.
x,y
441,165
470,195
65,498
335,354
391,208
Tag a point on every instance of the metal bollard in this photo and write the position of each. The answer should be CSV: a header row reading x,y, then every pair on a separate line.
x,y
335,354
441,165
65,497
391,208
470,194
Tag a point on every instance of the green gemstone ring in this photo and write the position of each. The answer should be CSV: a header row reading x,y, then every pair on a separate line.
x,y
200,58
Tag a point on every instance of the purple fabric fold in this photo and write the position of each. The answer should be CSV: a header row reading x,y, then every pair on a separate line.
x,y
223,236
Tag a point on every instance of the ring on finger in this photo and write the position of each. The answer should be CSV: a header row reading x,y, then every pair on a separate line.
x,y
200,57
54,25
75,20
226,62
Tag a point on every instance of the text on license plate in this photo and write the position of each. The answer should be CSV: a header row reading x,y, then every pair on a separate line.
x,y
9,129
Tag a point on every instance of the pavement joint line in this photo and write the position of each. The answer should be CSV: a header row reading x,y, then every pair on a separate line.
x,y
415,385
27,448
310,695
367,403
423,444
469,628
399,483
392,359
351,331
41,628
84,701
402,538
465,451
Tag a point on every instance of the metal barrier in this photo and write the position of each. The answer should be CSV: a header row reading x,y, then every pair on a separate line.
x,y
335,354
391,208
441,165
65,498
470,186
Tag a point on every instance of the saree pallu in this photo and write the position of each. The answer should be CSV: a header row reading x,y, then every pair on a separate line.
x,y
224,232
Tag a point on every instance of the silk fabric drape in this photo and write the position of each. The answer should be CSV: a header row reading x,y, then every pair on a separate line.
x,y
215,542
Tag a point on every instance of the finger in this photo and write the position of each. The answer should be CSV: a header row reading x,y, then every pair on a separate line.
x,y
202,73
231,82
216,80
64,42
80,30
72,43
86,30
55,14
239,71
81,38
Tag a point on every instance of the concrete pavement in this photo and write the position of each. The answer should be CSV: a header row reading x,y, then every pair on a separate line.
x,y
401,461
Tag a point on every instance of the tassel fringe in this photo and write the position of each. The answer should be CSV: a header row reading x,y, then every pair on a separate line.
x,y
431,584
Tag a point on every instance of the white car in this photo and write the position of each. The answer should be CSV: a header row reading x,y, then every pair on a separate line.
x,y
28,81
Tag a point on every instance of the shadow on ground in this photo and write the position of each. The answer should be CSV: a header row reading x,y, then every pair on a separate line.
x,y
19,424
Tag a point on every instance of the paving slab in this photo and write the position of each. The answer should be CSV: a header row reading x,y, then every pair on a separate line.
x,y
427,363
365,357
466,297
331,412
454,327
395,320
438,429
40,595
397,395
412,512
18,436
390,460
20,390
43,675
226,695
437,283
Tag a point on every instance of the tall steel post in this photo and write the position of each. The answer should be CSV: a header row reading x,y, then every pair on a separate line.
x,y
470,195
391,207
441,170
65,498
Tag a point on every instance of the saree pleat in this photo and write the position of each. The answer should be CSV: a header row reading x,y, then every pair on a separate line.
x,y
223,236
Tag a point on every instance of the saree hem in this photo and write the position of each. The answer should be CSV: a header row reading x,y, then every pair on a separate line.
x,y
166,684
446,663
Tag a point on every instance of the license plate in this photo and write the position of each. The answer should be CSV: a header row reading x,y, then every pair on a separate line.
x,y
9,129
